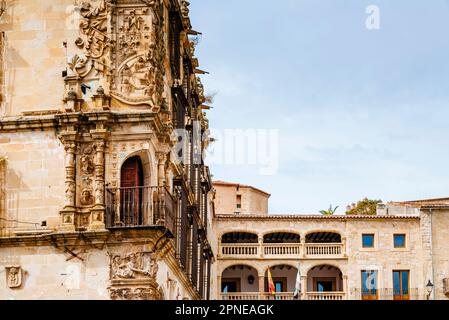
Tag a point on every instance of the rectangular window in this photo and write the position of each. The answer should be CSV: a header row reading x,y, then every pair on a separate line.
x,y
401,285
239,201
399,240
369,285
368,240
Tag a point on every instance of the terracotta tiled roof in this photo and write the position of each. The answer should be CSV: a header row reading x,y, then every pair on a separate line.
x,y
232,184
426,203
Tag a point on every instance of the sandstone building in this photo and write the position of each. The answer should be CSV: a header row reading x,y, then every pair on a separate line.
x,y
94,202
97,200
391,255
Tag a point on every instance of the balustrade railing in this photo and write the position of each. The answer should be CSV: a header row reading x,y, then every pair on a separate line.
x,y
354,294
283,250
240,249
325,296
323,249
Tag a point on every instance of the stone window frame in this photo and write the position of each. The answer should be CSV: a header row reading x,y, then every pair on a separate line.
x,y
407,240
375,242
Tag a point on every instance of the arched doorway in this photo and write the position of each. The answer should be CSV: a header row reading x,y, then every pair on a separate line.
x,y
131,192
325,282
240,282
284,280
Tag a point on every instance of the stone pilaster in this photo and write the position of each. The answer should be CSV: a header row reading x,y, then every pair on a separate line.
x,y
162,159
261,285
98,212
69,211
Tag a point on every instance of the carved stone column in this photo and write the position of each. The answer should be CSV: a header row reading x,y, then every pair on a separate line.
x,y
261,286
162,159
98,212
304,288
68,213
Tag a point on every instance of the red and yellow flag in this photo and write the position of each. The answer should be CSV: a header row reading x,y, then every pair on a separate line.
x,y
271,287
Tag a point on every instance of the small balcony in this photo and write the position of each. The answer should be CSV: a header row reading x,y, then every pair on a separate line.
x,y
140,207
388,294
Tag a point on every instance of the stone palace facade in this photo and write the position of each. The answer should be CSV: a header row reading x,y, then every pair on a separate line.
x,y
98,202
95,204
400,253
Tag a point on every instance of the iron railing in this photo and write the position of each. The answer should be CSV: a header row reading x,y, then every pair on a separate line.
x,y
140,207
387,294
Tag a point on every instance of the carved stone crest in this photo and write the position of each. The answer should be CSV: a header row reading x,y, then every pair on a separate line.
x,y
93,39
14,276
139,54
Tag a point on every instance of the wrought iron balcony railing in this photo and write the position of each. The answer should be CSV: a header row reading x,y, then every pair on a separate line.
x,y
140,207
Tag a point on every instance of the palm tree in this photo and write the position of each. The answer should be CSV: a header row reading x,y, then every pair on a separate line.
x,y
330,211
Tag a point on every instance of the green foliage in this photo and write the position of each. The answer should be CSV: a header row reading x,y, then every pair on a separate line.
x,y
364,207
329,212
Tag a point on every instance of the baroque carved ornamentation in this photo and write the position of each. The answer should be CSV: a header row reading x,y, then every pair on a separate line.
x,y
138,54
149,293
14,275
70,184
134,266
133,276
87,168
93,39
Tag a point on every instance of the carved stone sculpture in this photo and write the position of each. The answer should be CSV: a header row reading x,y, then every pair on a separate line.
x,y
133,266
133,277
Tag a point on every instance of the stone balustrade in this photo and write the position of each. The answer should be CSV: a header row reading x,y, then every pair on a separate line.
x,y
282,251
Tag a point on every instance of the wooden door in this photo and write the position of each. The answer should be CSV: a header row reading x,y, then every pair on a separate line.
x,y
131,192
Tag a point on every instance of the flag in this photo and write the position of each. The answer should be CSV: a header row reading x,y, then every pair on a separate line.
x,y
297,292
271,287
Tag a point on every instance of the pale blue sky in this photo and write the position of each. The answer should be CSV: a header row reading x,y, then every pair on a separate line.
x,y
361,113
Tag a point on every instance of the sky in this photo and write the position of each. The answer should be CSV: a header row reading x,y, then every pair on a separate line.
x,y
359,112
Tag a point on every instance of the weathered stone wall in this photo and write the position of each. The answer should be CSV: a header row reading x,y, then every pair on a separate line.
x,y
34,172
440,251
34,54
48,275
384,257
253,201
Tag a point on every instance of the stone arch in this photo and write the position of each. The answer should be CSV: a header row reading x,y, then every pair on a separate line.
x,y
287,236
284,276
325,277
334,236
239,277
148,163
276,264
229,264
252,236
